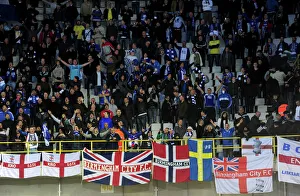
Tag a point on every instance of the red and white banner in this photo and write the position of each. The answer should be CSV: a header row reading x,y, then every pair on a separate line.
x,y
21,166
171,163
288,155
61,165
244,175
256,146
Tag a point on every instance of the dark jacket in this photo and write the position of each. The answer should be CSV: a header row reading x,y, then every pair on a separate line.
x,y
95,78
166,112
183,110
228,62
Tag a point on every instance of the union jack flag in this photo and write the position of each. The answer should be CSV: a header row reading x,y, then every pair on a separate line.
x,y
226,164
117,168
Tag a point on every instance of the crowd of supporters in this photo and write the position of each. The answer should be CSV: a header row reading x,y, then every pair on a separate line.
x,y
87,75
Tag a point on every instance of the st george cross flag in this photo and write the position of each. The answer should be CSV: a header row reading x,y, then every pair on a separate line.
x,y
200,152
251,174
288,160
256,146
117,168
21,166
171,163
61,165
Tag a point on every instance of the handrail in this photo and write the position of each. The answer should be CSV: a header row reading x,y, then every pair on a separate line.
x,y
92,144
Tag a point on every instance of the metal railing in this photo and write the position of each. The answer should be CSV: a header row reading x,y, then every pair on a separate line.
x,y
123,145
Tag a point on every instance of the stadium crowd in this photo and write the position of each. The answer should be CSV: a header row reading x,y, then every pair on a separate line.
x,y
83,74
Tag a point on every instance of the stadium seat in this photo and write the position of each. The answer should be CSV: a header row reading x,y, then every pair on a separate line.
x,y
262,108
168,125
216,69
251,115
263,117
155,127
210,83
259,101
210,76
205,70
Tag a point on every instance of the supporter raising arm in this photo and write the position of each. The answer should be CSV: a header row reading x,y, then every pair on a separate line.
x,y
75,68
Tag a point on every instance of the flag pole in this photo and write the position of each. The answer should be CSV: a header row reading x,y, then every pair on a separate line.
x,y
284,189
59,187
155,188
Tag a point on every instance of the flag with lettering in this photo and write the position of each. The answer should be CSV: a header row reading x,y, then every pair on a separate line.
x,y
200,152
244,175
117,168
171,163
21,165
257,146
61,165
288,157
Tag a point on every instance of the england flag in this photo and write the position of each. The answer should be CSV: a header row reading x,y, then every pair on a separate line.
x,y
61,165
21,165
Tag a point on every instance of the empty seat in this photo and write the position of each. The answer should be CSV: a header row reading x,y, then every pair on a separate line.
x,y
216,69
40,17
259,101
239,62
210,83
168,125
40,10
262,108
209,75
155,127
205,70
263,116
251,115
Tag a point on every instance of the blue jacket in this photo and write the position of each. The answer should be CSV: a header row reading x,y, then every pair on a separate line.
x,y
2,115
103,121
156,68
227,133
209,100
224,101
33,100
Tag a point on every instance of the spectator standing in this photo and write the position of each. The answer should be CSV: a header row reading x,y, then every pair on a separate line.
x,y
86,11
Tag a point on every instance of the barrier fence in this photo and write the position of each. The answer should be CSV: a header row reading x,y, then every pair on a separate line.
x,y
124,145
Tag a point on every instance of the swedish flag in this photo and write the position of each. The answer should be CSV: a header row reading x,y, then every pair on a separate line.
x,y
200,152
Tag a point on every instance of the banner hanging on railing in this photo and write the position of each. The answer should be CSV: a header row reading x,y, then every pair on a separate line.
x,y
61,165
200,152
244,175
288,155
21,165
117,168
171,163
256,146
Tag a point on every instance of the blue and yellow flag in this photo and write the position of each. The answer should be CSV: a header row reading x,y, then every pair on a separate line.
x,y
200,152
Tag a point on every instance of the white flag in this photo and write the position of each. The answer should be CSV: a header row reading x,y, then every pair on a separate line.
x,y
21,166
244,175
288,156
256,146
61,165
